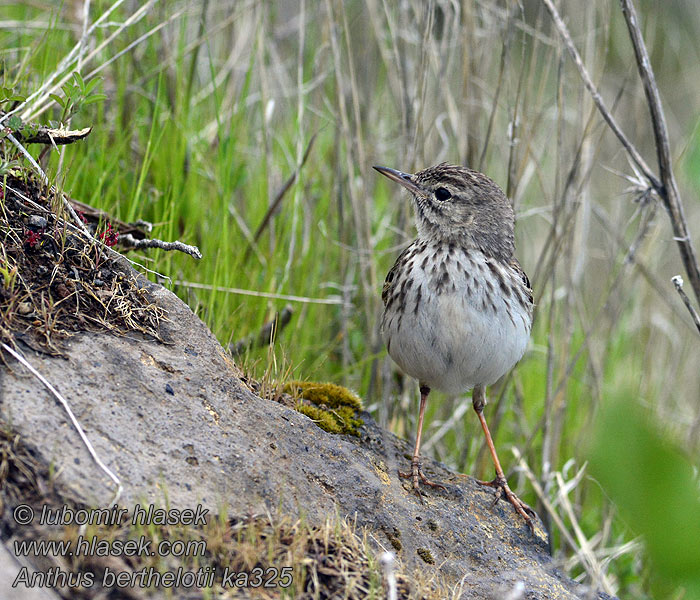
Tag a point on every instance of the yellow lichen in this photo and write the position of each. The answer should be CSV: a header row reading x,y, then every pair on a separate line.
x,y
333,408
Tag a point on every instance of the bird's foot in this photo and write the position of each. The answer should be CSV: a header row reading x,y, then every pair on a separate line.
x,y
520,507
417,476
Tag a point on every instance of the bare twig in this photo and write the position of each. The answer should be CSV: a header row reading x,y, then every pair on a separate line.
x,y
669,192
665,186
228,290
55,137
72,417
128,241
598,99
678,282
139,228
267,334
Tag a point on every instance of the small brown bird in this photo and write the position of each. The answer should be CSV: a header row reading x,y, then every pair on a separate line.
x,y
457,304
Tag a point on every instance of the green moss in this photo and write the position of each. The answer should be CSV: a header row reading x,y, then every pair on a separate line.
x,y
333,408
426,555
330,394
394,536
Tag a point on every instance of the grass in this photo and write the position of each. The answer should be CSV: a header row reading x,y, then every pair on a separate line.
x,y
206,118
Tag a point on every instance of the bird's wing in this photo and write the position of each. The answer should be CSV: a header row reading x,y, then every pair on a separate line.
x,y
515,265
391,275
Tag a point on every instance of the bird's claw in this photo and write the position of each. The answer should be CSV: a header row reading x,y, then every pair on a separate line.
x,y
502,489
417,477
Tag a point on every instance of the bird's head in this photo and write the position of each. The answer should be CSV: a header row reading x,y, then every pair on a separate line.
x,y
459,205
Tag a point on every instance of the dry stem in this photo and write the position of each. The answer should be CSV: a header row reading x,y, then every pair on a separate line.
x,y
665,185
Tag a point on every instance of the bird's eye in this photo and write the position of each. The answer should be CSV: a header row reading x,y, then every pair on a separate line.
x,y
442,194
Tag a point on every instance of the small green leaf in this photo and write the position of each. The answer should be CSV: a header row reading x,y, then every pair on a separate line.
x,y
94,98
58,100
91,85
14,123
77,77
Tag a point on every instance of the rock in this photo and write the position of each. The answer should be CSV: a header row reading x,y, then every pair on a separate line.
x,y
175,420
9,569
38,222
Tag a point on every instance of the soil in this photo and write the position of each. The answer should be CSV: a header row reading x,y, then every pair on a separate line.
x,y
55,279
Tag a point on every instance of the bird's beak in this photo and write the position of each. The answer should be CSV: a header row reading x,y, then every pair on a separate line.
x,y
403,179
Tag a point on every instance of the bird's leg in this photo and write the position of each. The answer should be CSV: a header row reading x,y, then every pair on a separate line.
x,y
500,483
416,472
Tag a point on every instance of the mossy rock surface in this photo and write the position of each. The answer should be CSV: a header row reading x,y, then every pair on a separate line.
x,y
332,407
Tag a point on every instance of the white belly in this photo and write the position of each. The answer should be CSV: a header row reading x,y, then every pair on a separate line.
x,y
456,340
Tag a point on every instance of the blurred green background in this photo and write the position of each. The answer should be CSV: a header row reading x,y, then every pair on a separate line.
x,y
209,108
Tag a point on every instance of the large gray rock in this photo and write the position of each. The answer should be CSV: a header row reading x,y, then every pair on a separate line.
x,y
10,566
175,420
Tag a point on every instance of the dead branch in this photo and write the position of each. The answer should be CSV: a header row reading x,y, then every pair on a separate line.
x,y
669,191
665,185
677,280
94,216
52,136
598,99
129,242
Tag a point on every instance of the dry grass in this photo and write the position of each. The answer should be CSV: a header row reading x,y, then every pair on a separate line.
x,y
56,280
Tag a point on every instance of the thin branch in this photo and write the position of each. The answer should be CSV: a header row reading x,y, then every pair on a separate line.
x,y
669,192
228,290
71,415
52,136
598,99
678,282
128,241
665,187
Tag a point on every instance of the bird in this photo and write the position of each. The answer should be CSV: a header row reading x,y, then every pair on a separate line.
x,y
457,304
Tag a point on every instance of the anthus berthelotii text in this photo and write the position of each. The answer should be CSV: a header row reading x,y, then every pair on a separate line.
x,y
457,304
